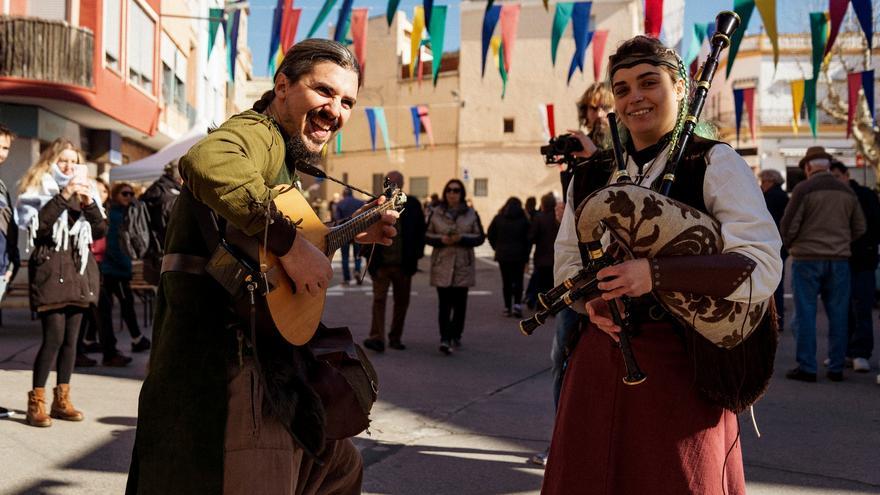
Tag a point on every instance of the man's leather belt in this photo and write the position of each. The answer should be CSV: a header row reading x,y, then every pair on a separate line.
x,y
186,263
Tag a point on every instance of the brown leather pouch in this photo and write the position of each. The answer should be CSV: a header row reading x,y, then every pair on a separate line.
x,y
344,379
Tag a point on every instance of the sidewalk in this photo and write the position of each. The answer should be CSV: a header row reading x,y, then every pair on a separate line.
x,y
463,424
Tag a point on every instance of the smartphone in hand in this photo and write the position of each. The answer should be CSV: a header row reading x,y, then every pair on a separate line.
x,y
80,174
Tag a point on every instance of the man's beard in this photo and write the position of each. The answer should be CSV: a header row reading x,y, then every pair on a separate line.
x,y
297,151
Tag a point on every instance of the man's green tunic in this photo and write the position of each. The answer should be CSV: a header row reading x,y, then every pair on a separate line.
x,y
182,411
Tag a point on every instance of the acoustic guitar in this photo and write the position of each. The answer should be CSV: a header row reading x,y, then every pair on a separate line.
x,y
296,313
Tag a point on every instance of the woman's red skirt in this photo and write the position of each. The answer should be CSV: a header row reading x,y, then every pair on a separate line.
x,y
655,438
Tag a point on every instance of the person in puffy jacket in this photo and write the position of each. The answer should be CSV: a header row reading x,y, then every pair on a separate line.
x,y
454,230
59,210
509,236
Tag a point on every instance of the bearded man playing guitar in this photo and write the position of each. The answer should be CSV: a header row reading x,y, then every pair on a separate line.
x,y
213,419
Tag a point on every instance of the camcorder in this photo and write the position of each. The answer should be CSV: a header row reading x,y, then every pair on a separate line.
x,y
560,148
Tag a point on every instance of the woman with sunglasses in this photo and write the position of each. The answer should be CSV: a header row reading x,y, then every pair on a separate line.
x,y
454,230
59,210
116,269
668,435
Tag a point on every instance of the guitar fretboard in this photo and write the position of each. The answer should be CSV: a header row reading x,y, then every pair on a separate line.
x,y
344,233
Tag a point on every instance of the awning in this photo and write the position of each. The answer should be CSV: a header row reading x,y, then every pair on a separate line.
x,y
151,167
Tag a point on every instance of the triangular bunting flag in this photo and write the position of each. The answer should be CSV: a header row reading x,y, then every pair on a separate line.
x,y
600,37
437,32
509,25
560,20
797,102
490,19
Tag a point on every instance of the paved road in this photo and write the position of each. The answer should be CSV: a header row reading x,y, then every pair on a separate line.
x,y
463,424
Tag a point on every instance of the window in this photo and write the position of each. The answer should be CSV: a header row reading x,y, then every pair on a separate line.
x,y
508,126
112,31
48,9
141,33
418,187
174,68
481,187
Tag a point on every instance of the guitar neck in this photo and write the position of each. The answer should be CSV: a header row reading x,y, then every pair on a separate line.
x,y
345,233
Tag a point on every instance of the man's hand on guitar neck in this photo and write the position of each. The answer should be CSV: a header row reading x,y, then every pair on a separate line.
x,y
307,266
381,232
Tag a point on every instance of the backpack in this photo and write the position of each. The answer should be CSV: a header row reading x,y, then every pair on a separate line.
x,y
135,236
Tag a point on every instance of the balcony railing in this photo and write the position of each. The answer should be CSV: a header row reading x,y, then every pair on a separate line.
x,y
46,50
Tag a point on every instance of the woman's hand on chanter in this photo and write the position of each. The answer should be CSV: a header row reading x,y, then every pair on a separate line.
x,y
630,278
600,315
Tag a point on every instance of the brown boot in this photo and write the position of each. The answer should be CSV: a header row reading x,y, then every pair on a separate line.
x,y
62,408
36,411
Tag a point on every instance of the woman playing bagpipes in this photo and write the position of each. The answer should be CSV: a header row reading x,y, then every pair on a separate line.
x,y
677,432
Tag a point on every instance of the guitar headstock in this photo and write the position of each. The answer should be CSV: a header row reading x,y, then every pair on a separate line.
x,y
394,194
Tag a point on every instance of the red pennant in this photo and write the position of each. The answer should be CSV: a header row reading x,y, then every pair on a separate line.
x,y
289,23
653,17
425,119
836,11
749,100
551,121
599,39
359,36
854,82
509,24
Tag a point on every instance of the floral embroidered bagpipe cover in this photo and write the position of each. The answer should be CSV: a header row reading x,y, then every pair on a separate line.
x,y
732,344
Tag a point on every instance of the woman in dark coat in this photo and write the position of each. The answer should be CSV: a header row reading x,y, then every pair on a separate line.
x,y
116,270
509,236
59,210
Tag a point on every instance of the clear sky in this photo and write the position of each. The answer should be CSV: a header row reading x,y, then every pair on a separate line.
x,y
792,17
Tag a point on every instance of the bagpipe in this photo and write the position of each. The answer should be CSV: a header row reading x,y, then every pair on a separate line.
x,y
644,223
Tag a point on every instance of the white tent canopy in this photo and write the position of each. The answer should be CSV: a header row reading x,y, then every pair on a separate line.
x,y
151,167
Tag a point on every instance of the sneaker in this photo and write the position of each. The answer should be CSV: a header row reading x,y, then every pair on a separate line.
x,y
848,362
374,345
446,347
800,375
456,343
142,345
116,361
396,344
835,376
83,361
540,459
861,365
517,311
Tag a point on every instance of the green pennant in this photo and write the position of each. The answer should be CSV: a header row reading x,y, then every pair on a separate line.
x,y
213,25
560,20
819,30
437,31
322,16
810,101
502,70
744,9
392,9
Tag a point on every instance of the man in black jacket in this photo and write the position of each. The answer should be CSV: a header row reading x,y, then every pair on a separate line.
x,y
160,198
862,263
395,265
777,200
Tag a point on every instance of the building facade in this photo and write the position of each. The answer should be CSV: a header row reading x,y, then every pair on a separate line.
x,y
119,78
489,142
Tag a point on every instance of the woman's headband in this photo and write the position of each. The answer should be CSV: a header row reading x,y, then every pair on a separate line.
x,y
666,59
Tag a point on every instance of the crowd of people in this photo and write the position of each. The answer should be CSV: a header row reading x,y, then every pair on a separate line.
x,y
252,418
76,266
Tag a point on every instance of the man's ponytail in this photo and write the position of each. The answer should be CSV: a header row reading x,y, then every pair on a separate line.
x,y
263,103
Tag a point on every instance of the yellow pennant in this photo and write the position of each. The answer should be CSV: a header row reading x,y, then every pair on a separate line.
x,y
495,43
416,38
767,9
797,102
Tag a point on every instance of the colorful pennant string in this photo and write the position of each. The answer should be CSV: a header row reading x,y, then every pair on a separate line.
x,y
580,18
391,10
744,9
854,84
342,22
359,37
509,26
836,12
416,38
767,9
653,17
864,12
